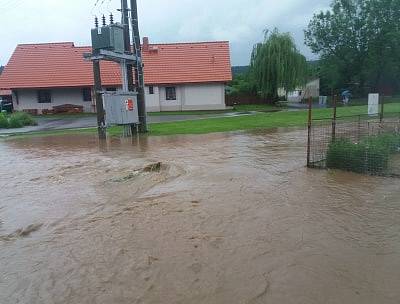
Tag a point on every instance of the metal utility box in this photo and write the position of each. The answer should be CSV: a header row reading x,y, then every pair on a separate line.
x,y
121,109
109,37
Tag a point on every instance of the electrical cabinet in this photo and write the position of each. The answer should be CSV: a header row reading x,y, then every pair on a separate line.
x,y
120,108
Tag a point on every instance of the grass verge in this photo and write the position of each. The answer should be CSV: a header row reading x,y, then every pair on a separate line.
x,y
251,122
236,123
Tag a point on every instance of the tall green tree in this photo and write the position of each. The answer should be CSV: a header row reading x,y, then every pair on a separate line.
x,y
358,42
277,64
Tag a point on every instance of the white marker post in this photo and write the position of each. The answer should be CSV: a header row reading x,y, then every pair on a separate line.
x,y
373,104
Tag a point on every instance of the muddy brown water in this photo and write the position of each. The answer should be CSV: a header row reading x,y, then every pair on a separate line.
x,y
226,218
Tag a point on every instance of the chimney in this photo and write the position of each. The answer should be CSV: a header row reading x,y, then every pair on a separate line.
x,y
145,44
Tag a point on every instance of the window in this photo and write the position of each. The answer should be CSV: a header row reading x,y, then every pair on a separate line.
x,y
151,90
170,93
111,89
87,94
44,96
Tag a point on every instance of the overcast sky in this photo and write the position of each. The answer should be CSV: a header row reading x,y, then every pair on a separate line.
x,y
240,21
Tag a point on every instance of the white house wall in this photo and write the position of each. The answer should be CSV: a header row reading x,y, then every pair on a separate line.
x,y
28,99
204,97
153,100
188,97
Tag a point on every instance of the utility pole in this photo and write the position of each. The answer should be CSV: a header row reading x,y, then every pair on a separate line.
x,y
107,45
139,68
99,100
128,70
101,123
127,41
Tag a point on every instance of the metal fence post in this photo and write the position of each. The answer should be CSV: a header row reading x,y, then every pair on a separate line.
x,y
334,118
382,108
309,132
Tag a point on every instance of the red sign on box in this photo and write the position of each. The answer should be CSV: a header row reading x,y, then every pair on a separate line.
x,y
129,105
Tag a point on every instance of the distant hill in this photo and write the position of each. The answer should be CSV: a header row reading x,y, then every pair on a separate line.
x,y
240,69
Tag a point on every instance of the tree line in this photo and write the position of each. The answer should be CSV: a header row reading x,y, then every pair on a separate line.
x,y
358,45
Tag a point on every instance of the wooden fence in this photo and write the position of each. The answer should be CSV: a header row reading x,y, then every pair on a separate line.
x,y
244,100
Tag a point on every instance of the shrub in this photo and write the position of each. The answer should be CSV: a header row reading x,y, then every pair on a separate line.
x,y
388,140
3,121
24,118
370,155
345,155
13,122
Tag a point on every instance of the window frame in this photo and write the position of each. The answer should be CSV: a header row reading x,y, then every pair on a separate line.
x,y
44,96
87,91
151,90
167,93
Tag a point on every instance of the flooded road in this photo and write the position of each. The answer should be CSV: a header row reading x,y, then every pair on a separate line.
x,y
225,218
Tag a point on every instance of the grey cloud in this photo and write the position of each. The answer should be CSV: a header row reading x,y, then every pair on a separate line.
x,y
240,22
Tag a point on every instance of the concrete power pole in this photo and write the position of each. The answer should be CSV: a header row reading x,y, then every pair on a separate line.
x,y
127,40
98,96
128,50
99,100
139,68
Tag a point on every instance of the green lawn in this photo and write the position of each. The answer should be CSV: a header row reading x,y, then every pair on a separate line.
x,y
236,123
251,122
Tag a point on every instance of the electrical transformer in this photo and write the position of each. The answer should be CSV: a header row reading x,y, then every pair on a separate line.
x,y
109,38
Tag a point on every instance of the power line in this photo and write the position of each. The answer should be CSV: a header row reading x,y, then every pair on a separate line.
x,y
94,6
108,6
7,3
11,4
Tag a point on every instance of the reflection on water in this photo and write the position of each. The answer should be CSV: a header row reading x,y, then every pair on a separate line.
x,y
227,218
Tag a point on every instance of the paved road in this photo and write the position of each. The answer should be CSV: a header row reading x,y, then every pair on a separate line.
x,y
76,122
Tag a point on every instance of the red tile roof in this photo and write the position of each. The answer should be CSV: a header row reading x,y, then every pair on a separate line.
x,y
187,63
62,65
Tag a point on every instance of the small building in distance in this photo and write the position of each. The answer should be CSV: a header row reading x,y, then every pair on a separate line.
x,y
178,76
311,89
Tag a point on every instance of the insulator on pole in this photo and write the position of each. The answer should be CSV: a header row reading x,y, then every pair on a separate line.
x,y
96,22
111,19
104,20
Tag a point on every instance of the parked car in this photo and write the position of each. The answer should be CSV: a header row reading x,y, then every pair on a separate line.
x,y
6,105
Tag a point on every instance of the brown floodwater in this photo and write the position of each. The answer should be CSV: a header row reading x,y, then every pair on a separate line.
x,y
225,218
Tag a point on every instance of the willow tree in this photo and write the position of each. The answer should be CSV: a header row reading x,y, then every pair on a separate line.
x,y
276,64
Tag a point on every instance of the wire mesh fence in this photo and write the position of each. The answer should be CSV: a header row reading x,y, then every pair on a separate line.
x,y
358,143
